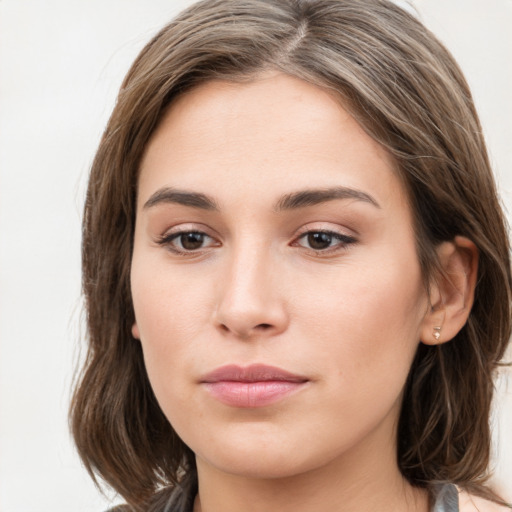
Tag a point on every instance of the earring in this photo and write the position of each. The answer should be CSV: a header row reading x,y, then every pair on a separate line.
x,y
437,333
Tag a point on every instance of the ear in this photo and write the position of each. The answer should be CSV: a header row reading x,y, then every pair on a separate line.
x,y
453,291
135,331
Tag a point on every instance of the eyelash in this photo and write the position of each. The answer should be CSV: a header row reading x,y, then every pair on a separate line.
x,y
344,241
168,240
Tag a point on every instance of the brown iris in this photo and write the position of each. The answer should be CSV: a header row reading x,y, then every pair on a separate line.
x,y
319,241
191,241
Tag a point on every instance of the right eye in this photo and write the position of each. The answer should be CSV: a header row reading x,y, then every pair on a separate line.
x,y
184,242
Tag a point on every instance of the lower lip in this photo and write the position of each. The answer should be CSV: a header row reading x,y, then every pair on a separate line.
x,y
252,394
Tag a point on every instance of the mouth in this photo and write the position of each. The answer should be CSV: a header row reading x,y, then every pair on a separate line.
x,y
252,386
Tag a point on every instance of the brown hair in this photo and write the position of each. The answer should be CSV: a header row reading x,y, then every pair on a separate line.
x,y
408,93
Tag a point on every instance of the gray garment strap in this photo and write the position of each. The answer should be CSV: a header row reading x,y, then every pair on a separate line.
x,y
446,498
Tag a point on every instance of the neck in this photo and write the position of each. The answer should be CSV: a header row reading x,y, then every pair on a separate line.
x,y
365,480
311,497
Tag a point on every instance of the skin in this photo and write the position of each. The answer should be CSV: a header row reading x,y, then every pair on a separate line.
x,y
348,316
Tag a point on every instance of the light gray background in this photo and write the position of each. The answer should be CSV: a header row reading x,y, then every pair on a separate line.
x,y
61,63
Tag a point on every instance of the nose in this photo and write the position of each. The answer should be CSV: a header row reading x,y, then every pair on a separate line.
x,y
250,301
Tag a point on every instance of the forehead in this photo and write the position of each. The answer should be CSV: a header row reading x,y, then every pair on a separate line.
x,y
269,134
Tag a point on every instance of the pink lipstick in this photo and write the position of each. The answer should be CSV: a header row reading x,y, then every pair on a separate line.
x,y
252,386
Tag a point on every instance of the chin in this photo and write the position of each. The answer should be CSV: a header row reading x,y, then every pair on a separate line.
x,y
262,455
256,464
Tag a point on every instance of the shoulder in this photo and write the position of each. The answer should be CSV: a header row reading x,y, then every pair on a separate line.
x,y
471,503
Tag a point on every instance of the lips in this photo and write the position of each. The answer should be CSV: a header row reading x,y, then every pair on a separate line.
x,y
251,386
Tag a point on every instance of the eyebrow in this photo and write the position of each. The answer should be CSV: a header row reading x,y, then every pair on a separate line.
x,y
185,198
292,201
311,197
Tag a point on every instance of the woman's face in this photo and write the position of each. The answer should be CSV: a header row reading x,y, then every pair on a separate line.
x,y
277,290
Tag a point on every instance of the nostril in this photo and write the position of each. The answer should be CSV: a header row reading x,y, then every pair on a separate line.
x,y
263,327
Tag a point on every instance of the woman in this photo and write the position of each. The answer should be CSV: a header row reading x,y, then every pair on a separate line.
x,y
296,268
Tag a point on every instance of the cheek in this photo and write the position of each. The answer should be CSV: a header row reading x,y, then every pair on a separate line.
x,y
170,316
370,317
169,303
363,336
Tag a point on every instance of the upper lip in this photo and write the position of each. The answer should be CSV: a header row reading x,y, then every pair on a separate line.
x,y
252,373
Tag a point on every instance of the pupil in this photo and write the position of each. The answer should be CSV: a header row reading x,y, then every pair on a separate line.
x,y
191,241
319,240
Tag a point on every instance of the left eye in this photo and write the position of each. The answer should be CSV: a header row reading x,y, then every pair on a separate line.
x,y
323,240
186,241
